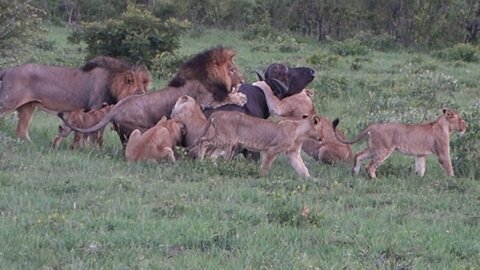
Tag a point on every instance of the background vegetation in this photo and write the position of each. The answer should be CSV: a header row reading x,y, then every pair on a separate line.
x,y
91,210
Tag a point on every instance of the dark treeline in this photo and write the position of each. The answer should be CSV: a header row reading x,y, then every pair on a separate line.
x,y
430,23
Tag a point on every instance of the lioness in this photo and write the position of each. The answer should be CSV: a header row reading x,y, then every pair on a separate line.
x,y
188,111
84,120
417,140
156,143
66,89
228,130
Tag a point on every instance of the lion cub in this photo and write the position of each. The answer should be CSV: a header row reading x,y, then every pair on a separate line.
x,y
156,143
417,140
228,130
84,120
188,111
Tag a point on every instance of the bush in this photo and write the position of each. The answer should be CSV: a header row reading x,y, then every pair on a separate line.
x,y
321,60
166,64
288,44
349,47
465,154
382,42
459,52
137,36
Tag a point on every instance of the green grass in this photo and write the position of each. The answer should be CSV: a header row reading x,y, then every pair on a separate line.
x,y
90,209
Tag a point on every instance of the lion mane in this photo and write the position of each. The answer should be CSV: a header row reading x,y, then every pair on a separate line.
x,y
214,68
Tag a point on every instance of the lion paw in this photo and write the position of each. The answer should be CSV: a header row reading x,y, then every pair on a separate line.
x,y
238,98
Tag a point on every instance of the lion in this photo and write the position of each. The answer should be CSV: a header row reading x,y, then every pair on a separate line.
x,y
66,89
85,120
188,111
417,140
330,150
229,130
295,105
155,144
210,77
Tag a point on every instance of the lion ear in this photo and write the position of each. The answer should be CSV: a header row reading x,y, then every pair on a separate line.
x,y
309,92
129,78
183,99
316,120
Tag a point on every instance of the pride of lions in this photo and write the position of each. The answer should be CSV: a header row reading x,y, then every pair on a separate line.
x,y
211,112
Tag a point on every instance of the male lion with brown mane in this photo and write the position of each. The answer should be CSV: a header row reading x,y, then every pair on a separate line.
x,y
210,77
417,140
66,89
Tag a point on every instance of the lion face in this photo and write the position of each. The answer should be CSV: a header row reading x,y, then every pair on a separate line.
x,y
234,75
316,129
455,121
131,82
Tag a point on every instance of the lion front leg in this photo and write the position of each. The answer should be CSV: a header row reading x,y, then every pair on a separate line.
x,y
420,165
445,161
297,163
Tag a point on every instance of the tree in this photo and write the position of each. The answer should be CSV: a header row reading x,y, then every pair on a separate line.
x,y
20,24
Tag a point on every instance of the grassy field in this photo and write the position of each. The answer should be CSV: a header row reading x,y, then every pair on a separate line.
x,y
89,209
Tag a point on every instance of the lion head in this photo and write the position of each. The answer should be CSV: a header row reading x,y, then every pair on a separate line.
x,y
124,79
214,68
455,121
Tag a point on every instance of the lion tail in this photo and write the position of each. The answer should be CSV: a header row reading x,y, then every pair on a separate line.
x,y
99,125
359,136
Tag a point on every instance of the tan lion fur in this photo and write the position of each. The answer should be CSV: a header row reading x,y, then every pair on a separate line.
x,y
84,120
295,105
228,130
330,150
155,144
66,89
187,111
144,111
417,140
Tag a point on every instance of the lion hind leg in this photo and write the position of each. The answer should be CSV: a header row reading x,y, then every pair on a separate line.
x,y
376,161
166,153
365,154
420,165
25,113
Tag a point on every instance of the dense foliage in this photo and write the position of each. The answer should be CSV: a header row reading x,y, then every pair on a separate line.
x,y
432,24
19,25
136,35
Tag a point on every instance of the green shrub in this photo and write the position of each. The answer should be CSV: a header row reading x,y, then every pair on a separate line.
x,y
465,154
381,42
287,44
459,52
136,35
349,47
332,86
166,64
321,60
263,29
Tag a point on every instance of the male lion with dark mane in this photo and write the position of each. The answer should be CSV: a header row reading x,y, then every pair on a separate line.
x,y
210,77
66,89
417,140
